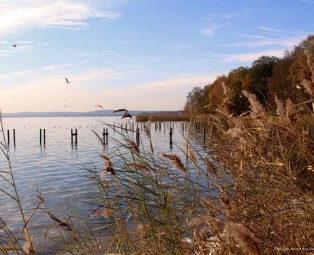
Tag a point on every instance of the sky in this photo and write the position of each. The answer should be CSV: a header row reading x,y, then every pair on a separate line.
x,y
134,54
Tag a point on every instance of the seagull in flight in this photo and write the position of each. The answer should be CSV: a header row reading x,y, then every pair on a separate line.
x,y
126,113
66,79
99,106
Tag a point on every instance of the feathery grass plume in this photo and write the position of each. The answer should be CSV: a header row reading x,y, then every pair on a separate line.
x,y
137,166
258,111
226,202
132,145
109,168
104,157
106,213
245,239
235,132
291,112
280,109
175,160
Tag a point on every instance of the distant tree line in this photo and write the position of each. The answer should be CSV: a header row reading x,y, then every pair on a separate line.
x,y
268,77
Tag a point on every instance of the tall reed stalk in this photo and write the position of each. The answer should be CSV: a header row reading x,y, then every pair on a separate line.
x,y
13,241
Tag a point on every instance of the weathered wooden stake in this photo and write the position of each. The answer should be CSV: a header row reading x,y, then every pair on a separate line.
x,y
42,136
137,136
74,134
105,134
170,137
8,137
14,137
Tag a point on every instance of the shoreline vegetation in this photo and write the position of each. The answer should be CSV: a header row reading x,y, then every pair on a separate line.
x,y
161,117
250,193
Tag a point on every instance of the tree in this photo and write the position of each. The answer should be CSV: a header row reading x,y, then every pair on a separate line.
x,y
196,100
235,84
215,93
256,79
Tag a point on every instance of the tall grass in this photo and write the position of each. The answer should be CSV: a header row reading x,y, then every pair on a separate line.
x,y
13,241
250,193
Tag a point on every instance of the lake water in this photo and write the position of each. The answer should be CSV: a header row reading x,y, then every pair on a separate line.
x,y
57,168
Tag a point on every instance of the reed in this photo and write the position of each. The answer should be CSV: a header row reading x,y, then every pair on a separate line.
x,y
13,241
251,193
161,117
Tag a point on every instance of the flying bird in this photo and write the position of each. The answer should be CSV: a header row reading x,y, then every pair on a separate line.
x,y
99,106
66,79
14,45
126,113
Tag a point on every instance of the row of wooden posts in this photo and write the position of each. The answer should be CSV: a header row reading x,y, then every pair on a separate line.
x,y
74,134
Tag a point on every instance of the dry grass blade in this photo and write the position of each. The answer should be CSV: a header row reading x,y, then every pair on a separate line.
x,y
175,159
61,222
101,140
138,166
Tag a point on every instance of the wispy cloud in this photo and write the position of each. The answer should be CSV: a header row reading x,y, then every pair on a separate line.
x,y
285,42
273,31
16,15
214,23
252,56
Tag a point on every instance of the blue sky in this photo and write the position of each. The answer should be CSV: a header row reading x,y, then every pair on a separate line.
x,y
138,54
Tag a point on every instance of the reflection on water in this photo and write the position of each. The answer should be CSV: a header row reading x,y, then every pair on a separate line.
x,y
57,166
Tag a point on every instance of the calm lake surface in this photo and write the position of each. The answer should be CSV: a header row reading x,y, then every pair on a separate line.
x,y
58,168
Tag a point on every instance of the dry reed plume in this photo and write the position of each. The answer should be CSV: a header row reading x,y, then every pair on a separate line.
x,y
175,160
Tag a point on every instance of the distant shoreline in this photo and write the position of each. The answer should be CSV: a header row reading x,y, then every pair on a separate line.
x,y
83,114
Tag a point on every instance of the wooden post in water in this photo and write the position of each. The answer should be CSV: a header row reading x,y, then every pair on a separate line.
x,y
14,137
74,134
8,137
137,136
105,135
42,136
171,137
